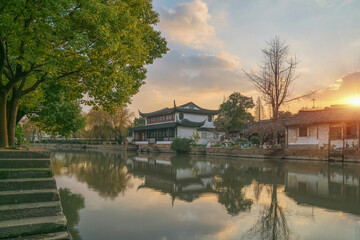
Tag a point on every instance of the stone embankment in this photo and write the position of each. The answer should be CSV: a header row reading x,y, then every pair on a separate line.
x,y
29,200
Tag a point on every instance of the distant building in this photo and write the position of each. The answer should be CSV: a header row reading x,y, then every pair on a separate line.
x,y
182,121
336,126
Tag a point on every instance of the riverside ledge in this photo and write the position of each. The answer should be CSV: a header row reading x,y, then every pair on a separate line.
x,y
30,205
350,155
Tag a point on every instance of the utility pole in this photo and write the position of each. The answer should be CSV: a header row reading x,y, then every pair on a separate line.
x,y
313,100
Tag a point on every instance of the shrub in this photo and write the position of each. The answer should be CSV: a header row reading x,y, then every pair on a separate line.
x,y
255,140
242,141
282,140
19,134
181,145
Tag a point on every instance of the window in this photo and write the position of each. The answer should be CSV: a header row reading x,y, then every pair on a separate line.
x,y
209,118
204,135
335,133
181,116
302,131
351,130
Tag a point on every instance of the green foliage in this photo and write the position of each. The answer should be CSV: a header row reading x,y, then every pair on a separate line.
x,y
58,115
196,136
19,134
98,48
255,140
139,121
181,145
233,112
282,140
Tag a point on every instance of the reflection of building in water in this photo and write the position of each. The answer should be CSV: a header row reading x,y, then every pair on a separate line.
x,y
328,187
184,182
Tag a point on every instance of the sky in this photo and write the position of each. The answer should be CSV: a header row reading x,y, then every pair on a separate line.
x,y
212,42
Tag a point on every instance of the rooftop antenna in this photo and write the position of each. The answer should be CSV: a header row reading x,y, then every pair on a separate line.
x,y
313,100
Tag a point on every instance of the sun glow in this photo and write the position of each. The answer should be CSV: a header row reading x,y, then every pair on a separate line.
x,y
354,100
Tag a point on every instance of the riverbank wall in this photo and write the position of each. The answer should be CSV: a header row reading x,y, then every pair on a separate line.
x,y
348,155
30,205
101,147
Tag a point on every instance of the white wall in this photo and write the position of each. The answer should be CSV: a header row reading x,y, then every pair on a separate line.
x,y
319,135
187,132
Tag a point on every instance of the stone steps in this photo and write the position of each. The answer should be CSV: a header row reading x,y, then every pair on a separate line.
x,y
10,173
29,200
27,184
24,163
30,210
28,196
32,226
48,236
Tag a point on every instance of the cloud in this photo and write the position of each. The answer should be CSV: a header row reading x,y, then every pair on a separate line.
x,y
188,24
344,88
203,78
196,73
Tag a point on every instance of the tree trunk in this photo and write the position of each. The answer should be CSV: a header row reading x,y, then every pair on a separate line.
x,y
13,109
3,123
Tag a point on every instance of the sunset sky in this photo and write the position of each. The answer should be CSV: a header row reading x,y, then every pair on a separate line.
x,y
211,42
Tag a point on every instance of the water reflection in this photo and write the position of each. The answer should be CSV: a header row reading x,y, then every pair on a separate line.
x,y
330,187
257,199
71,204
103,172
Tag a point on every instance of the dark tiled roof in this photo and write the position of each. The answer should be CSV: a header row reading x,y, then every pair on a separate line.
x,y
157,113
327,115
263,125
185,123
189,107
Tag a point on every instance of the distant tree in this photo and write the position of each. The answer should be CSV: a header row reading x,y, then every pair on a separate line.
x,y
95,47
259,110
233,112
104,125
285,114
139,121
276,75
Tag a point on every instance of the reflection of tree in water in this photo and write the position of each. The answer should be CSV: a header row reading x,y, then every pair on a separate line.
x,y
230,192
103,173
71,204
272,223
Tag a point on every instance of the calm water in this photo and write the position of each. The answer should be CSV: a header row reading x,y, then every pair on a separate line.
x,y
129,196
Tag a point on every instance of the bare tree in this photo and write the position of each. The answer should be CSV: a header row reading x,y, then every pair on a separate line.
x,y
259,111
276,74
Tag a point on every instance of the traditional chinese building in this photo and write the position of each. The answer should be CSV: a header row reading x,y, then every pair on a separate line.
x,y
183,121
336,126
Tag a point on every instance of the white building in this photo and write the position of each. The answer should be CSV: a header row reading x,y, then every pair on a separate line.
x,y
183,121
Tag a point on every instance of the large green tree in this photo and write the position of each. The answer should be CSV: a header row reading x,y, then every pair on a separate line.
x,y
233,112
98,48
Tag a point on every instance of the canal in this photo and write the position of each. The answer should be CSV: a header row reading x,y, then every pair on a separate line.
x,y
130,196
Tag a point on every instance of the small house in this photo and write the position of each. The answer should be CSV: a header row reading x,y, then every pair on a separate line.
x,y
336,126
